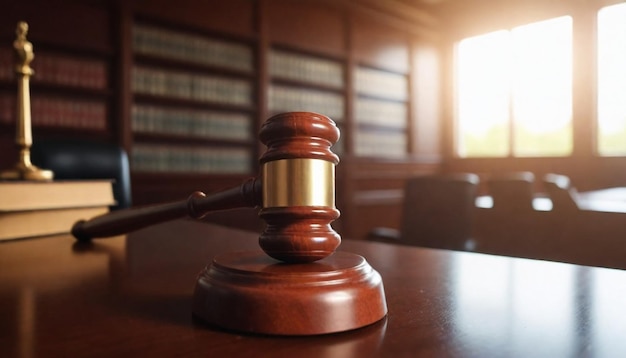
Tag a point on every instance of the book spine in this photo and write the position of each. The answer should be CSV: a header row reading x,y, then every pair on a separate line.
x,y
182,159
287,98
67,70
381,113
374,143
202,88
68,113
192,123
381,84
185,47
307,69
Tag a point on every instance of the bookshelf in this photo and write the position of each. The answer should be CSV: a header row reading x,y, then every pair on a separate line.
x,y
70,91
193,108
381,113
185,86
302,81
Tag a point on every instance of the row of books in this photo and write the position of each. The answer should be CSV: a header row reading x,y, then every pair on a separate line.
x,y
155,41
59,69
187,159
187,85
380,144
378,83
289,99
310,69
189,122
58,112
30,209
380,113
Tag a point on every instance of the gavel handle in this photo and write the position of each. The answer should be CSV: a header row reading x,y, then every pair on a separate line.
x,y
197,205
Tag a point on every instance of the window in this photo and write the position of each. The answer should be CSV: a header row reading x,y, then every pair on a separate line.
x,y
612,80
514,91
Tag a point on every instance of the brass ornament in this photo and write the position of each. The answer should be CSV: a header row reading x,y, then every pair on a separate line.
x,y
24,169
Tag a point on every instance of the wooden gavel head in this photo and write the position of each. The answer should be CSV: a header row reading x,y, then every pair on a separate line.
x,y
298,179
296,192
250,292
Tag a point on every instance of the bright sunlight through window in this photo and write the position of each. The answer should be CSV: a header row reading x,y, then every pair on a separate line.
x,y
514,91
612,80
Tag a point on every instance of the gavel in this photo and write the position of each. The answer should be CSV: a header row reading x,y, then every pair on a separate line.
x,y
295,191
318,291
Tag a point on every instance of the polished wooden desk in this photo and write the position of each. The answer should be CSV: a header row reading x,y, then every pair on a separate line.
x,y
610,200
131,297
592,235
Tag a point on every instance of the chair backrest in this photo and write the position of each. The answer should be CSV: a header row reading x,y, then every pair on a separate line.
x,y
438,210
512,192
559,189
82,159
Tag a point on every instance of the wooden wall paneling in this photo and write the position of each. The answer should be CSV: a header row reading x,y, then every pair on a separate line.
x,y
307,25
379,45
263,78
413,16
80,26
234,16
373,214
469,18
9,149
124,62
350,92
376,193
344,170
426,103
383,90
376,185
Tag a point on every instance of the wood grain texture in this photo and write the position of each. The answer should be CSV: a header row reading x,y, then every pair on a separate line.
x,y
251,292
132,296
307,25
299,233
195,206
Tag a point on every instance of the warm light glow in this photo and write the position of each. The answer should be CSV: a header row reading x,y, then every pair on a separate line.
x,y
542,87
542,79
608,291
499,300
483,92
612,80
519,81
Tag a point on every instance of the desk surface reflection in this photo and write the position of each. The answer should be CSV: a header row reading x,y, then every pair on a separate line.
x,y
131,296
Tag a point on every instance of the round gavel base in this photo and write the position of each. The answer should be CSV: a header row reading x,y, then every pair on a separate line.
x,y
251,292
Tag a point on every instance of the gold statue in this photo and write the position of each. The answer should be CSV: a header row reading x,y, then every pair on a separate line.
x,y
24,169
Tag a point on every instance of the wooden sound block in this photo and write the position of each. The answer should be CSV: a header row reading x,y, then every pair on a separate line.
x,y
251,292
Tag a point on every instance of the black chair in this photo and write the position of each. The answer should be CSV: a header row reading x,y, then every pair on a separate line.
x,y
512,192
82,159
561,193
437,212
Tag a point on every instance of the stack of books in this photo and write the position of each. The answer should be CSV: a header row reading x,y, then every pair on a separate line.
x,y
31,209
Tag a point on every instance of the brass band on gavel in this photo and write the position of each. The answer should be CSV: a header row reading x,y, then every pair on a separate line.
x,y
298,182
